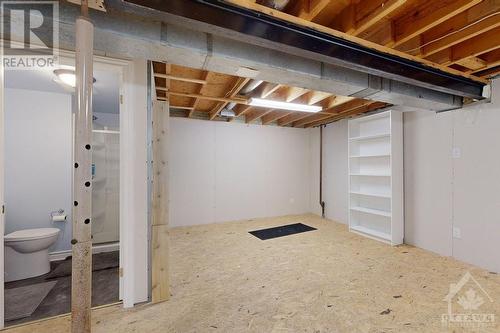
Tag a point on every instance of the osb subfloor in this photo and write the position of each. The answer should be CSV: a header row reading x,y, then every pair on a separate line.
x,y
329,280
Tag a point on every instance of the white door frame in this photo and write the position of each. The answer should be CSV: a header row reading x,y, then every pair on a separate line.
x,y
2,186
134,246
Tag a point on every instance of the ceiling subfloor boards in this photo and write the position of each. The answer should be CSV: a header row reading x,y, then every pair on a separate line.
x,y
204,94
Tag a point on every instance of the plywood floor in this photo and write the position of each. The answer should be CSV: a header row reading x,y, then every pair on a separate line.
x,y
329,280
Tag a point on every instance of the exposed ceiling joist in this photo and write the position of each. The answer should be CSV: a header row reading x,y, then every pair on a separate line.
x,y
426,16
273,29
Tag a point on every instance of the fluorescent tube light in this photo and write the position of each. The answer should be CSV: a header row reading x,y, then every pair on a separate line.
x,y
266,103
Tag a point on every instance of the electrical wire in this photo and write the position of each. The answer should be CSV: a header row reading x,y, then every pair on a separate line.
x,y
453,32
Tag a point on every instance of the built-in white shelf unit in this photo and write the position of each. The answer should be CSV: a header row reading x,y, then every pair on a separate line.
x,y
376,176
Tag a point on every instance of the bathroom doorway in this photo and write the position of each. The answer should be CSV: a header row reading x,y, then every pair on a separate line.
x,y
39,122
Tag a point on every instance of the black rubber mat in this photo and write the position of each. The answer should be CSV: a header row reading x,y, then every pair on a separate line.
x,y
281,231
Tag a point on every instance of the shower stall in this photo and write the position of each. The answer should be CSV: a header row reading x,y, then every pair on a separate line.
x,y
106,186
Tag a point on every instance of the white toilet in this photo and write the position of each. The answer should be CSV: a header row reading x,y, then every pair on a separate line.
x,y
27,252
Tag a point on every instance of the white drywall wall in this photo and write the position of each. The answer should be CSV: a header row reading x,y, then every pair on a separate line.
x,y
314,151
335,171
229,171
38,167
445,190
428,180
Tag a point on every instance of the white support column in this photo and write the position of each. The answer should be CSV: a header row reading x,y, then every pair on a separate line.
x,y
82,181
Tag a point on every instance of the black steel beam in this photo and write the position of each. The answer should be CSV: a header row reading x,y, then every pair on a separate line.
x,y
268,31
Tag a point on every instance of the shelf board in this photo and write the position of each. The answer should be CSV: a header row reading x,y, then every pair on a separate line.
x,y
368,231
375,155
378,195
369,175
370,137
371,211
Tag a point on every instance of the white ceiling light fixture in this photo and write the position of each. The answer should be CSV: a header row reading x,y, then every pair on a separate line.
x,y
67,77
266,103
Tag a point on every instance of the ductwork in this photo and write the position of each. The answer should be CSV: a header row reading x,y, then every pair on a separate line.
x,y
275,4
228,110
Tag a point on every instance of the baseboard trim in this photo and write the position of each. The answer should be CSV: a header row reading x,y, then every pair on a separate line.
x,y
109,247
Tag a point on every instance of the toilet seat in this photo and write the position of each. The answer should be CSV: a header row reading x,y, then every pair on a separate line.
x,y
30,234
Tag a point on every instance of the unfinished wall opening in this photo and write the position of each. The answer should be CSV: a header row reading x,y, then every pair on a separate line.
x,y
39,134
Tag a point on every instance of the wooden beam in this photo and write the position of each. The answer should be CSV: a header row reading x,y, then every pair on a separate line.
x,y
473,63
268,88
362,109
210,98
344,107
256,114
206,76
292,117
311,8
177,106
483,43
426,16
314,97
292,93
461,27
492,59
274,116
359,17
296,20
180,78
473,47
239,84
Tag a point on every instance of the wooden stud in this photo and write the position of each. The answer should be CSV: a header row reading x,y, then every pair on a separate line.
x,y
160,280
160,202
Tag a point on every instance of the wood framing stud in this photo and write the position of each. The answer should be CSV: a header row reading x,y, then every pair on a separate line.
x,y
159,232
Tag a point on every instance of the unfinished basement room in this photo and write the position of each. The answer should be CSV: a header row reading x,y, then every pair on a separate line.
x,y
199,166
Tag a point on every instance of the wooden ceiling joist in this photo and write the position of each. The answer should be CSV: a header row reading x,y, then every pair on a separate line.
x,y
200,91
354,20
470,23
193,97
210,98
239,84
349,113
426,16
332,112
274,116
433,32
179,78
